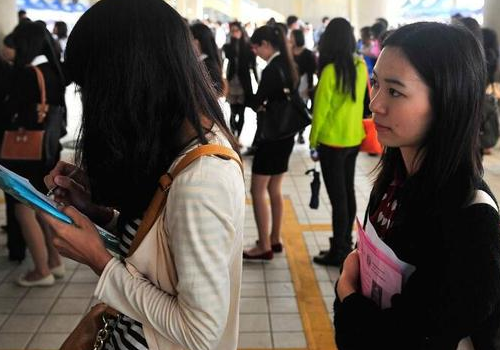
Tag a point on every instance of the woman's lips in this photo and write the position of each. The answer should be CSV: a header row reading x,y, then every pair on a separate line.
x,y
381,128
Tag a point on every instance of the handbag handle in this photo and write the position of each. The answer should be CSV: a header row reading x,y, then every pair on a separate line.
x,y
286,90
41,108
160,197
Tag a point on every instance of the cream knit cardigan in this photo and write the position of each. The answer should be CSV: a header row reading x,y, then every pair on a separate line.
x,y
183,282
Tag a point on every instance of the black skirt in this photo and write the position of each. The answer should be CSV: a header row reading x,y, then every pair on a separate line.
x,y
271,158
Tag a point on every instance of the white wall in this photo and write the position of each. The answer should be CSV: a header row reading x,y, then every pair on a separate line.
x,y
8,17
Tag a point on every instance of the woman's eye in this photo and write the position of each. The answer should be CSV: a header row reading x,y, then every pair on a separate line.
x,y
394,93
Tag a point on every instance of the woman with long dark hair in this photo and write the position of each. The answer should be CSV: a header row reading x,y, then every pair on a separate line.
x,y
60,33
429,203
337,130
241,60
33,50
147,102
306,64
271,157
208,53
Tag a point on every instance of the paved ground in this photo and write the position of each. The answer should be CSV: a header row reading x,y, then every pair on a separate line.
x,y
285,303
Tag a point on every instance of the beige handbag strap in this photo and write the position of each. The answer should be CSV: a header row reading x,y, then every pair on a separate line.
x,y
42,107
160,198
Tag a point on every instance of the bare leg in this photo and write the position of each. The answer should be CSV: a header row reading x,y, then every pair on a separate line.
x,y
276,197
54,259
261,212
35,241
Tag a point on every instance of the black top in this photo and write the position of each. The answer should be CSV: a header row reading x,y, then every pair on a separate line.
x,y
307,65
241,60
271,83
454,292
20,93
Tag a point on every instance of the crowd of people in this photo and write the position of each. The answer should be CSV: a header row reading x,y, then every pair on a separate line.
x,y
152,88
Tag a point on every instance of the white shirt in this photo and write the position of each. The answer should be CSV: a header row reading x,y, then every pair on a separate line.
x,y
38,60
273,56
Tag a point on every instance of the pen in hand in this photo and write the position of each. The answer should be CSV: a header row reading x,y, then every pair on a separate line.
x,y
71,174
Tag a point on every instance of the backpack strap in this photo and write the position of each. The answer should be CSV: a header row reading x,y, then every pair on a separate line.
x,y
160,197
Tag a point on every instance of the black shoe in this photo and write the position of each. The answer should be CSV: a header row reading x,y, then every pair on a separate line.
x,y
323,252
301,140
16,257
329,259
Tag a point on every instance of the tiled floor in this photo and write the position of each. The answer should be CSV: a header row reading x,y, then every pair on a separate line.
x,y
41,318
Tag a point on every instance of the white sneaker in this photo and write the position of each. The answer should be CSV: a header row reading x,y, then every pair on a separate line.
x,y
42,282
58,271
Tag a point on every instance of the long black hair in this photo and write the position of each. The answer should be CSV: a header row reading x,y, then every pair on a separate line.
x,y
61,29
244,40
276,37
243,43
32,39
140,82
450,61
208,47
490,44
298,35
337,45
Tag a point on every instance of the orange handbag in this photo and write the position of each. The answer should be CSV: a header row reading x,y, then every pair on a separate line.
x,y
370,143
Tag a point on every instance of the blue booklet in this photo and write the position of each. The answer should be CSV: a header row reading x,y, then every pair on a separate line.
x,y
21,189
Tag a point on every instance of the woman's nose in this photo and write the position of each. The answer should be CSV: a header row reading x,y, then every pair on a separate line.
x,y
377,105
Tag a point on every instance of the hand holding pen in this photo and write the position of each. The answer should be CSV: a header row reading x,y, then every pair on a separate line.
x,y
70,175
70,186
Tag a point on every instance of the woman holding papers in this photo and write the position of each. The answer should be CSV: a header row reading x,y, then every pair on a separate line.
x,y
429,203
147,103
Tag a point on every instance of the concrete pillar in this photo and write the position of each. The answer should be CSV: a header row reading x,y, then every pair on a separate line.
x,y
365,12
492,15
236,9
8,17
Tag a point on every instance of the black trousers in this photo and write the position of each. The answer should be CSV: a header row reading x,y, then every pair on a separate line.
x,y
237,118
337,166
15,240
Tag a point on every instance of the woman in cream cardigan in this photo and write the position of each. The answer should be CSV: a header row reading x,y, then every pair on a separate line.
x,y
147,101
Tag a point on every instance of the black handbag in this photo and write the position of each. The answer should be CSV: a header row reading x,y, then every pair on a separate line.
x,y
283,118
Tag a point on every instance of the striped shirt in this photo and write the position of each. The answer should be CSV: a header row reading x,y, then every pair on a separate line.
x,y
128,333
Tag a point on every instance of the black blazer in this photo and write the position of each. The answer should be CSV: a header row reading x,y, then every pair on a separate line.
x,y
241,60
271,83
